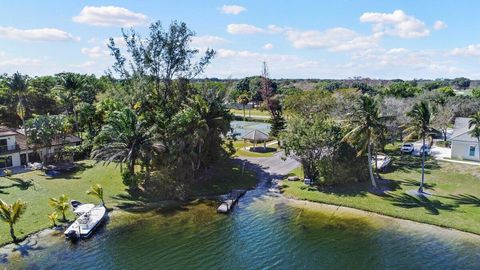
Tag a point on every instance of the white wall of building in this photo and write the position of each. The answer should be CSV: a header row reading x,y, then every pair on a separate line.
x,y
461,150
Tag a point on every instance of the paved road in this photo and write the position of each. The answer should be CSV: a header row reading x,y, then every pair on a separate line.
x,y
275,165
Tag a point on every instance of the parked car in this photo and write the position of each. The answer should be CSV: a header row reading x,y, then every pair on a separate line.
x,y
422,149
407,148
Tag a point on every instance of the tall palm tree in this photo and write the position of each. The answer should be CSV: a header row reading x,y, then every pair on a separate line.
x,y
19,85
419,127
243,99
97,191
126,139
61,204
366,124
67,92
11,213
474,124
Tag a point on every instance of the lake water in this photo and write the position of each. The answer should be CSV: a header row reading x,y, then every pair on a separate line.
x,y
263,232
241,128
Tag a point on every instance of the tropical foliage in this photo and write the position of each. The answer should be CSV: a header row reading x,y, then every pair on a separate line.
x,y
11,213
97,191
419,127
61,204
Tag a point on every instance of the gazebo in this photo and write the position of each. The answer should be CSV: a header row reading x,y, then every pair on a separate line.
x,y
256,136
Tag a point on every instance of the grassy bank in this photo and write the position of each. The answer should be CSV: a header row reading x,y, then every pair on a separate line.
x,y
35,188
253,112
242,151
454,203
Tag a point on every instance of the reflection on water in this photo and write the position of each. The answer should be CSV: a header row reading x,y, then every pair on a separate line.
x,y
263,232
241,128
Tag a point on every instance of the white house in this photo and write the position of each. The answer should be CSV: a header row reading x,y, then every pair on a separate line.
x,y
464,146
13,148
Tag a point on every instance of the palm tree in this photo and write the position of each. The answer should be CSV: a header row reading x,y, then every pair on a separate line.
x,y
419,127
243,99
125,139
474,124
67,93
19,85
366,126
97,191
11,213
53,218
61,204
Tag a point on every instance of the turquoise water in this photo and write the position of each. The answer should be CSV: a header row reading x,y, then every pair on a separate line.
x,y
241,128
264,232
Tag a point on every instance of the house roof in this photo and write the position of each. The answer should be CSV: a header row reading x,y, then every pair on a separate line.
x,y
5,131
461,132
255,135
20,139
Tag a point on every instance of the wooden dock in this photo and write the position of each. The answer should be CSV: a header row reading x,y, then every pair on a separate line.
x,y
231,200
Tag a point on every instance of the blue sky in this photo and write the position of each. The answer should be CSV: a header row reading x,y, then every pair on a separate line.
x,y
299,39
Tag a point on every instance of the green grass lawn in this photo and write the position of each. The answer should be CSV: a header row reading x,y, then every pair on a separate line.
x,y
240,145
455,189
253,112
225,176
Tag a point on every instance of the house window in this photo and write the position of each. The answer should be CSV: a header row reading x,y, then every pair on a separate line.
x,y
5,162
471,151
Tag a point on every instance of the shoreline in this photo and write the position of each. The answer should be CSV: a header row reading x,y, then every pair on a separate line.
x,y
366,213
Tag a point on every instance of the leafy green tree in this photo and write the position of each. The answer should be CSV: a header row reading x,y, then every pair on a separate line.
x,y
11,213
474,124
419,127
97,192
461,83
476,92
366,126
61,204
159,58
44,129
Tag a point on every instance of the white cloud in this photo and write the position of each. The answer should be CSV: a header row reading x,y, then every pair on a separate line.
x,y
439,25
334,39
243,29
39,34
110,16
275,29
19,62
397,23
470,50
232,9
208,41
267,46
95,52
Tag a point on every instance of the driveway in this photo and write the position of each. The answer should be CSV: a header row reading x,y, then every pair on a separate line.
x,y
444,154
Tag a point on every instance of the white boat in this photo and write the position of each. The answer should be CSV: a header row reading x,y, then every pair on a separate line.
x,y
84,226
383,161
81,208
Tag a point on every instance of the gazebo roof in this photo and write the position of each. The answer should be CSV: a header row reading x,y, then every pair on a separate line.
x,y
255,135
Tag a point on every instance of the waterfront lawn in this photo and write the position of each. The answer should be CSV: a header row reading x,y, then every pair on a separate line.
x,y
36,188
225,176
454,203
37,192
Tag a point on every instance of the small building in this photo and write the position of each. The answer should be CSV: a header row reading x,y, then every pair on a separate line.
x,y
464,146
13,147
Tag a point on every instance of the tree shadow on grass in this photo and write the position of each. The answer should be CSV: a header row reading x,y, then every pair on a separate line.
x,y
413,183
466,199
409,201
19,183
407,163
